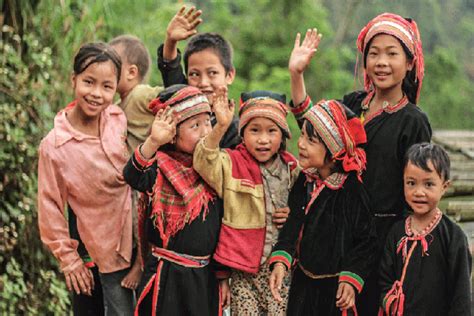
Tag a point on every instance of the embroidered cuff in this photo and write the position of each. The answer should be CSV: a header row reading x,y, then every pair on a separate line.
x,y
353,279
300,109
140,162
281,256
88,262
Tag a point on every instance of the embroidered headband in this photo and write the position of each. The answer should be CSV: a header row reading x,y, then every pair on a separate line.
x,y
341,131
405,30
264,104
185,100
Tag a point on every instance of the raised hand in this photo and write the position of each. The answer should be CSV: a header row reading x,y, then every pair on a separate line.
x,y
163,128
183,24
303,52
223,110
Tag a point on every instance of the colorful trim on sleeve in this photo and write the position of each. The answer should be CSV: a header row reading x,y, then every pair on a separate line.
x,y
281,256
299,110
353,279
88,262
140,162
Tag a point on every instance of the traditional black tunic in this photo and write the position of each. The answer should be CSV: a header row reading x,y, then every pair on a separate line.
x,y
389,135
436,283
338,238
183,290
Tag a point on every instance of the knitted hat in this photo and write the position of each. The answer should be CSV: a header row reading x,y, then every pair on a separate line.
x,y
264,104
403,29
341,131
185,100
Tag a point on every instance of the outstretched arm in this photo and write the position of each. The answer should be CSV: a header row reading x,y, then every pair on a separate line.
x,y
182,26
224,112
299,61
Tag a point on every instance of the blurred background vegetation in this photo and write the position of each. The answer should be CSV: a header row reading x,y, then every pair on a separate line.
x,y
39,39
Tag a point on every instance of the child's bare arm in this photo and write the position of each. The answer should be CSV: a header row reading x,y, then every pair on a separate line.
x,y
299,61
182,26
163,130
224,112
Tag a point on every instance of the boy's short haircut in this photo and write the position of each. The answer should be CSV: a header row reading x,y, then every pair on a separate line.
x,y
214,41
420,154
134,52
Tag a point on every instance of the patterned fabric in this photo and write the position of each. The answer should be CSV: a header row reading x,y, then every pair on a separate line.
x,y
264,107
179,193
186,102
401,28
251,294
341,131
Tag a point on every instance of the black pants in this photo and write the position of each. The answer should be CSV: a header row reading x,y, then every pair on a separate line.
x,y
85,305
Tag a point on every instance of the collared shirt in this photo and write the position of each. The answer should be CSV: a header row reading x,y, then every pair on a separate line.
x,y
86,172
277,185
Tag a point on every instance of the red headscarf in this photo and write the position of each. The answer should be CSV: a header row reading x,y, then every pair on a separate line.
x,y
404,30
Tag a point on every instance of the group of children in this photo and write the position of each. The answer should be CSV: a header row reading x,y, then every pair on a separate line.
x,y
221,214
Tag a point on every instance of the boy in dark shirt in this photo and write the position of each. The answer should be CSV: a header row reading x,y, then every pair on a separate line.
x,y
207,62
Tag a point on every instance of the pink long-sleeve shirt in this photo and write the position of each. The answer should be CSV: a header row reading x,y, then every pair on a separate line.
x,y
86,172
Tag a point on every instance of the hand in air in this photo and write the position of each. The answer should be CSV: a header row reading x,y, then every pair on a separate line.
x,y
163,128
345,297
222,108
183,25
303,52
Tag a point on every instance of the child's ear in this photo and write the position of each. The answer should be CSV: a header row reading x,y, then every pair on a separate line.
x,y
410,65
132,72
446,185
230,76
73,80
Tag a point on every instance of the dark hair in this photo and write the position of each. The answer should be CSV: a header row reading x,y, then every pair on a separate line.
x,y
135,53
409,84
421,154
97,52
214,41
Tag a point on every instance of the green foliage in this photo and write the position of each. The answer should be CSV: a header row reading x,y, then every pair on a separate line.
x,y
34,84
27,273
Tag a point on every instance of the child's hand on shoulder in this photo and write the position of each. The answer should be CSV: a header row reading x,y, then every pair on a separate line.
x,y
302,53
345,297
280,215
222,108
183,24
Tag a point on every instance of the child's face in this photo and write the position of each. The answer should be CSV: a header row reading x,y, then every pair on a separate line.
x,y
262,138
387,63
312,152
191,131
423,189
94,88
206,72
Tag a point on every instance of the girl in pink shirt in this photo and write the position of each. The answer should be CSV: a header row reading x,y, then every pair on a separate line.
x,y
80,164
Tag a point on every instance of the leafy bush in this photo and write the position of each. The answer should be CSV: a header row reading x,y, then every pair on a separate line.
x,y
29,281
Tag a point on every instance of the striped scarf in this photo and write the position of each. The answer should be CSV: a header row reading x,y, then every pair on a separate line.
x,y
179,194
